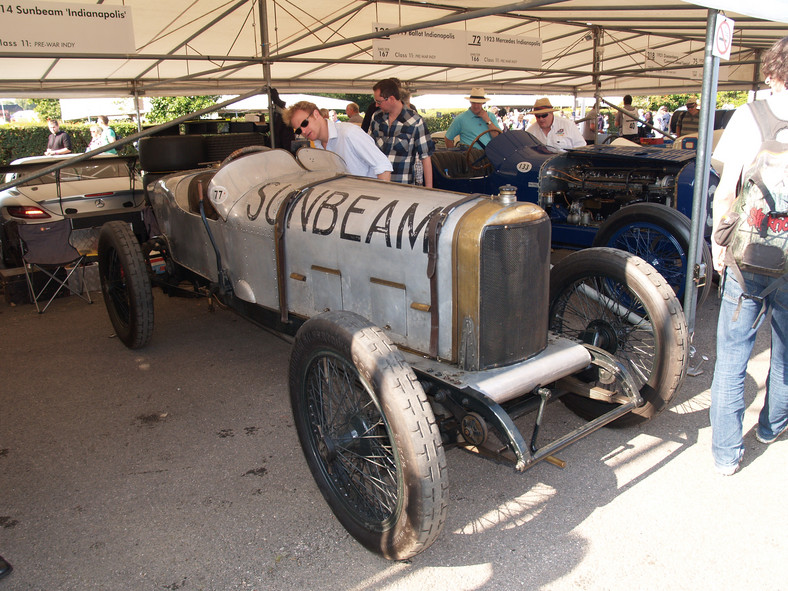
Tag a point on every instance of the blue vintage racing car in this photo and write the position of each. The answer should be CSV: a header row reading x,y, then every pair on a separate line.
x,y
635,198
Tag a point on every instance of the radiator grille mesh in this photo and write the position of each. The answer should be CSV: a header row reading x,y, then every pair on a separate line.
x,y
514,286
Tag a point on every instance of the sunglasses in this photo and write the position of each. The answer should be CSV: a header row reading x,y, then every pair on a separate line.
x,y
542,116
304,123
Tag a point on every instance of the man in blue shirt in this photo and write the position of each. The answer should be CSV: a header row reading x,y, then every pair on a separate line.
x,y
476,120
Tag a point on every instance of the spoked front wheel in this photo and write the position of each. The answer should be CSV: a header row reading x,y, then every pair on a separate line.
x,y
368,434
616,301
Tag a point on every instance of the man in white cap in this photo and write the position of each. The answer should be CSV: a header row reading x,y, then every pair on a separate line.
x,y
476,120
556,132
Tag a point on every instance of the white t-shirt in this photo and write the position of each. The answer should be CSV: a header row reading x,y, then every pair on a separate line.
x,y
563,135
629,126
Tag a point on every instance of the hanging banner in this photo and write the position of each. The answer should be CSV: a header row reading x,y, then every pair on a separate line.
x,y
49,27
447,46
665,60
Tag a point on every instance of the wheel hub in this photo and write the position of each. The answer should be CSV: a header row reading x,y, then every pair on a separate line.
x,y
474,428
601,334
358,427
326,447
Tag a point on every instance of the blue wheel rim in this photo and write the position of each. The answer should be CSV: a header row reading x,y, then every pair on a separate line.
x,y
658,247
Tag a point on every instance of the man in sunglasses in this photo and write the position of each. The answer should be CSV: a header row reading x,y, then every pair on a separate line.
x,y
556,132
355,147
688,120
401,135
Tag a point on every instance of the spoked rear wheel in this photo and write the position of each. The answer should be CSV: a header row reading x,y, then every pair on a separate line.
x,y
368,434
125,284
614,300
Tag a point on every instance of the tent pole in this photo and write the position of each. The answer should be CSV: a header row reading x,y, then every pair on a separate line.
x,y
711,66
136,96
596,67
265,50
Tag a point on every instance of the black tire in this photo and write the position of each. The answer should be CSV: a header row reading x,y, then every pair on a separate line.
x,y
125,284
617,301
660,236
389,489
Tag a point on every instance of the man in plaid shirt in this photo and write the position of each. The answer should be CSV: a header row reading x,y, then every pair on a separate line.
x,y
400,134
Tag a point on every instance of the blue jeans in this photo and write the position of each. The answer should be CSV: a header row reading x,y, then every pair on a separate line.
x,y
735,341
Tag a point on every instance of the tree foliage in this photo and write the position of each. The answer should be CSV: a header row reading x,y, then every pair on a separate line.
x,y
674,101
167,108
48,109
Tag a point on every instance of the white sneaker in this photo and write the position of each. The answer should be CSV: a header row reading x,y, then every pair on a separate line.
x,y
727,470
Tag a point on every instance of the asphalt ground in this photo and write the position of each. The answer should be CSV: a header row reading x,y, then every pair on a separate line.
x,y
177,467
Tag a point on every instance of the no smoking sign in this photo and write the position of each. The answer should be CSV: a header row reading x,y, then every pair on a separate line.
x,y
723,37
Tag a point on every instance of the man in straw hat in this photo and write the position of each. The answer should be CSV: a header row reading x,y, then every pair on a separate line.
x,y
473,122
689,120
556,132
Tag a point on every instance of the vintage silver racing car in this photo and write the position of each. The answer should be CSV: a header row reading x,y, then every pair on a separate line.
x,y
420,319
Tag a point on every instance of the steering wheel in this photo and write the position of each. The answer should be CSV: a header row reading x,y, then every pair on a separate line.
x,y
475,164
243,152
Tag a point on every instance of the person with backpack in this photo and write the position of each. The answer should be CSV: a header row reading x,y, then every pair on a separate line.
x,y
750,250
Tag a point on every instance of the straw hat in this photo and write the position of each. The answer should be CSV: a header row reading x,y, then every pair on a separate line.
x,y
477,95
542,105
692,100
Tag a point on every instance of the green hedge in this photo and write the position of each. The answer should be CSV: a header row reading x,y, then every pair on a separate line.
x,y
435,123
432,122
19,140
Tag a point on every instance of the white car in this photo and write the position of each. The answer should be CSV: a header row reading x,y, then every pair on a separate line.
x,y
89,193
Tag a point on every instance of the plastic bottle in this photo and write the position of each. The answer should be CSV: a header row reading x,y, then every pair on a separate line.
x,y
418,171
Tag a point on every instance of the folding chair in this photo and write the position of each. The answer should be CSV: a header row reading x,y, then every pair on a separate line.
x,y
46,248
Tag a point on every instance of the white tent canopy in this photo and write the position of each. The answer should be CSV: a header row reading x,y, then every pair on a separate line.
x,y
187,47
90,108
259,102
458,101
